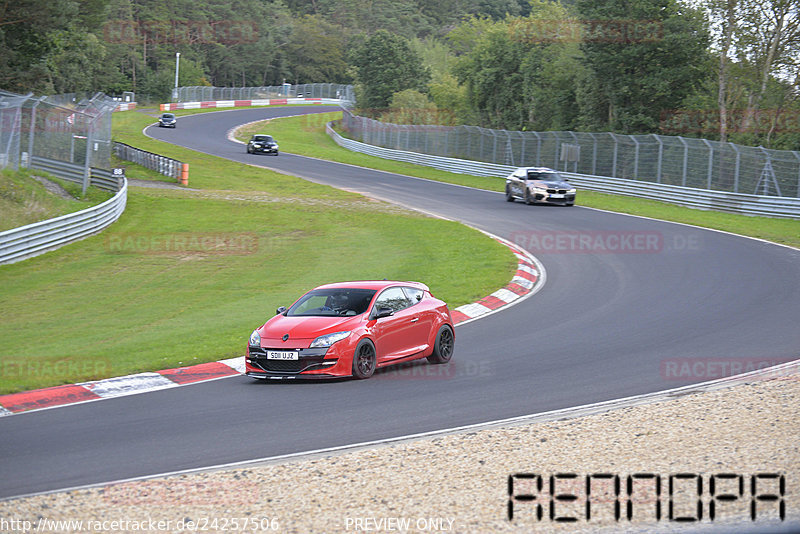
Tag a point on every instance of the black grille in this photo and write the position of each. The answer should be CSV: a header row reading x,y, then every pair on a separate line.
x,y
258,357
282,366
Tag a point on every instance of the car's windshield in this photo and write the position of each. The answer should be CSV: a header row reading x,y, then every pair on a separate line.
x,y
548,176
262,138
332,302
167,116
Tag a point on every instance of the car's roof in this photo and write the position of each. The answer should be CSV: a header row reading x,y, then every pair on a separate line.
x,y
372,284
537,169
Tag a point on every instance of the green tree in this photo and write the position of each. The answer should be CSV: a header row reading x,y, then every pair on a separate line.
x,y
39,37
495,84
385,64
645,57
316,51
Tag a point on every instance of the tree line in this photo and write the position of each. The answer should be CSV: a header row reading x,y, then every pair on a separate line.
x,y
720,69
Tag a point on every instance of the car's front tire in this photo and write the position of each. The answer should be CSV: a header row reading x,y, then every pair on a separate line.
x,y
364,360
509,196
444,345
528,199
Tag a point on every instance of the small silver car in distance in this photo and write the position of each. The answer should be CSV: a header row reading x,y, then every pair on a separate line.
x,y
539,184
167,120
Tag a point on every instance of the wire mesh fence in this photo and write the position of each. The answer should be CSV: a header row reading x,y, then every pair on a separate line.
x,y
70,128
671,160
308,90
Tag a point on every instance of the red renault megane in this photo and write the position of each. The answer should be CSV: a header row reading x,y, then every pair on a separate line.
x,y
351,329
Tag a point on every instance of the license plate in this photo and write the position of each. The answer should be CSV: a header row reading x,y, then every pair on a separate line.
x,y
281,355
556,196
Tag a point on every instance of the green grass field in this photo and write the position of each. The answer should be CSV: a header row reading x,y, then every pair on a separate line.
x,y
25,201
184,276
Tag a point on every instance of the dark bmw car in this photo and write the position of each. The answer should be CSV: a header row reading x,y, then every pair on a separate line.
x,y
262,144
167,120
539,184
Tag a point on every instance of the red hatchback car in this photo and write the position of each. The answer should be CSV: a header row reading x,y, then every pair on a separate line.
x,y
351,329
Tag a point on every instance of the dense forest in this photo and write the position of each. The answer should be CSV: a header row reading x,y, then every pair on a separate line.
x,y
720,69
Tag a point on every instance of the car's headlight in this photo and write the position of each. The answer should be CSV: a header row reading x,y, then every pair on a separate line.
x,y
255,339
328,340
572,191
274,146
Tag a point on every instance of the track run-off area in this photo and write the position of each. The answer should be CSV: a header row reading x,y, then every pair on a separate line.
x,y
611,322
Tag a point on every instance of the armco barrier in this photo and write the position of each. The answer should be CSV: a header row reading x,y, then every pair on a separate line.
x,y
27,241
74,173
770,206
156,162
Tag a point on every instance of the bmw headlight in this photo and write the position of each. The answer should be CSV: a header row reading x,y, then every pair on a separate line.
x,y
275,146
255,339
328,340
572,191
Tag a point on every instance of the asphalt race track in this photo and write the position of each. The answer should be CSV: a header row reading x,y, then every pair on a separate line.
x,y
606,325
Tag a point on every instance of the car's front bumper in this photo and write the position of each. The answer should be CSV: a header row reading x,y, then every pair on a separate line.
x,y
311,363
264,150
554,198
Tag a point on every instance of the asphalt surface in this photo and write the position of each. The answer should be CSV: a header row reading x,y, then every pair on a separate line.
x,y
606,325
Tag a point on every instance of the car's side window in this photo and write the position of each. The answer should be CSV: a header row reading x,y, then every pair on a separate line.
x,y
393,298
414,294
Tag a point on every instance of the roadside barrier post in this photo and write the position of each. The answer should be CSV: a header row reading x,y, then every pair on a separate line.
x,y
185,174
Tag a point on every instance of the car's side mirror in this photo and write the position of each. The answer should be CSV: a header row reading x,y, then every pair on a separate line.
x,y
280,310
382,311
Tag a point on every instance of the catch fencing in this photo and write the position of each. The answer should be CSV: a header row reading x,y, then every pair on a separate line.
x,y
308,90
72,129
665,160
68,136
771,206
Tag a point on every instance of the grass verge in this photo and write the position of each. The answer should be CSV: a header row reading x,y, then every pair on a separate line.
x,y
24,200
184,275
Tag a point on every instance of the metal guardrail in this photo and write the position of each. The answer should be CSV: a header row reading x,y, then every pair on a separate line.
x,y
27,241
72,172
156,162
770,206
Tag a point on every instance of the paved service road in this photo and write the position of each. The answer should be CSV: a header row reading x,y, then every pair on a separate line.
x,y
606,325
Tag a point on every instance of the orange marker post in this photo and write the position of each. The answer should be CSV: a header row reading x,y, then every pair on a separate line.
x,y
185,174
